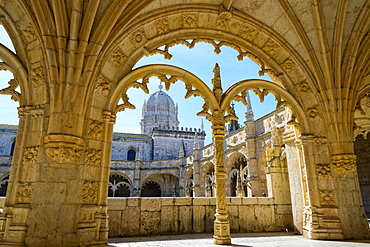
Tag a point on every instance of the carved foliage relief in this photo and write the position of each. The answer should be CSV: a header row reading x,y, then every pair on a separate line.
x,y
117,57
37,76
30,156
90,192
93,157
29,32
162,25
24,192
95,130
104,86
64,154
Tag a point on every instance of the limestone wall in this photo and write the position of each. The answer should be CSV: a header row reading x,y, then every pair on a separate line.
x,y
160,216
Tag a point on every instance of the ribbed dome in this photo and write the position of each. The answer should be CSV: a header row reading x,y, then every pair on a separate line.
x,y
160,105
159,111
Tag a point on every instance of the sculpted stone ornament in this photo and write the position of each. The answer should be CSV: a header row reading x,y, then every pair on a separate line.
x,y
29,32
344,164
30,156
104,86
93,157
189,20
327,198
95,130
323,170
37,76
13,84
162,25
64,149
24,192
117,57
90,192
138,37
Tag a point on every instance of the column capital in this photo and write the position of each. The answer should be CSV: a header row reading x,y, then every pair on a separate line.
x,y
64,149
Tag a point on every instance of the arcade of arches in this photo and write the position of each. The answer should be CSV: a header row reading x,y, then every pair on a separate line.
x,y
72,66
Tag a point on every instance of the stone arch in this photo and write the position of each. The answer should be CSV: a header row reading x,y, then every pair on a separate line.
x,y
4,181
151,188
283,97
263,49
236,159
207,179
120,188
168,183
161,71
27,69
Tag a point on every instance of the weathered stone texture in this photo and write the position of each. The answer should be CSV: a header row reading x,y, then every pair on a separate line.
x,y
193,215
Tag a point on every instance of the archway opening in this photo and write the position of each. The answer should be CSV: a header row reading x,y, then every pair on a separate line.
x,y
118,186
151,189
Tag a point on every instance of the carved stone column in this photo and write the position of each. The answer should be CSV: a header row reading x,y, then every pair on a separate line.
x,y
351,212
294,166
252,162
277,171
221,224
14,219
321,218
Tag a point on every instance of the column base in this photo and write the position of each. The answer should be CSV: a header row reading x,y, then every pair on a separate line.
x,y
221,232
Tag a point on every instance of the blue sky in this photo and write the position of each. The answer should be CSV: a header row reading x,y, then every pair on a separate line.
x,y
200,61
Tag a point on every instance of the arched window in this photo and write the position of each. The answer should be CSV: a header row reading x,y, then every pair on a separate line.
x,y
4,186
131,154
118,186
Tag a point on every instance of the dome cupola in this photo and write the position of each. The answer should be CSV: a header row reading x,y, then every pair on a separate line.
x,y
159,111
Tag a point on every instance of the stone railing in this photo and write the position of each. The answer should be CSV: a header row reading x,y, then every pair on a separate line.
x,y
178,215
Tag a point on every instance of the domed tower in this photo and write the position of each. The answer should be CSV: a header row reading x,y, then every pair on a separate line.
x,y
158,112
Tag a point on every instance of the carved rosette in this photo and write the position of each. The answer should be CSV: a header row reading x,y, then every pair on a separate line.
x,y
64,149
323,170
327,198
344,164
189,20
30,156
223,20
288,65
138,37
93,157
24,192
90,192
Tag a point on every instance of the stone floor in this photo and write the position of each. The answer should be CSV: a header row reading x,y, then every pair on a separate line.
x,y
238,240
